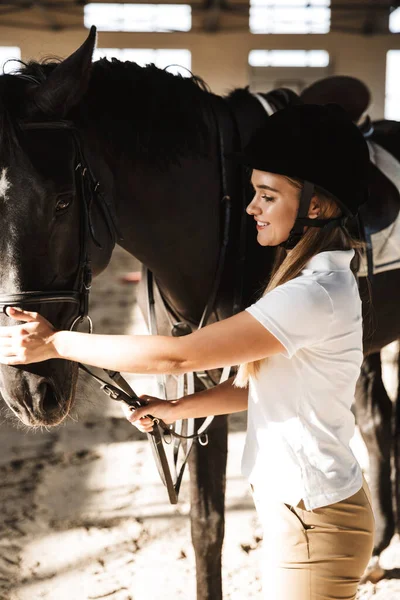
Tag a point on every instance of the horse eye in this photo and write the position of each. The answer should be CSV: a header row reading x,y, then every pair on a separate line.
x,y
63,203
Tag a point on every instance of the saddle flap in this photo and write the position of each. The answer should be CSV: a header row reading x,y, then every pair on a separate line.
x,y
380,212
379,216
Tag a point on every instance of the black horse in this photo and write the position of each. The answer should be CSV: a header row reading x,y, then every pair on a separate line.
x,y
156,143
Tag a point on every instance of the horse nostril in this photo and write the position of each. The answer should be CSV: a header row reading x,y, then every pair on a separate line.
x,y
47,399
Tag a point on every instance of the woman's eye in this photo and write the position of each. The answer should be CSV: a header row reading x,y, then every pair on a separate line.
x,y
63,203
268,198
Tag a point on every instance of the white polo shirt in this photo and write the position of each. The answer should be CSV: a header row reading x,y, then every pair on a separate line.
x,y
299,418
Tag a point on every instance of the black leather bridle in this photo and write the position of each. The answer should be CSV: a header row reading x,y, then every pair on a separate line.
x,y
88,192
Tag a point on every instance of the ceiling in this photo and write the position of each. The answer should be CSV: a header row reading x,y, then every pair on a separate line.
x,y
367,17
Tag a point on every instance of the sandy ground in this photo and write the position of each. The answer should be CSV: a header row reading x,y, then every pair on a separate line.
x,y
84,515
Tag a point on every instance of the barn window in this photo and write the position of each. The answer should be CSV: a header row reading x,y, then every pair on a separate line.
x,y
138,17
288,58
290,16
294,69
7,53
177,61
392,99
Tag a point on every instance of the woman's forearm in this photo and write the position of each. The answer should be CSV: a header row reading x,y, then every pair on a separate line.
x,y
129,353
222,399
232,341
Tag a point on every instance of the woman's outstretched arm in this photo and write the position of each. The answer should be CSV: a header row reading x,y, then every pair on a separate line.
x,y
233,341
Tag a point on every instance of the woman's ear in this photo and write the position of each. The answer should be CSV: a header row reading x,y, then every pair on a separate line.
x,y
314,210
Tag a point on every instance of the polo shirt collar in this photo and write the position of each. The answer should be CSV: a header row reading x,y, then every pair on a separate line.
x,y
330,260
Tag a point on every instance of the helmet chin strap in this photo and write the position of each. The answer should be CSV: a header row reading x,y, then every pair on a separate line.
x,y
303,219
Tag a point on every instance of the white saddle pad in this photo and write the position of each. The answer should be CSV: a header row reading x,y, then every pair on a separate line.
x,y
385,243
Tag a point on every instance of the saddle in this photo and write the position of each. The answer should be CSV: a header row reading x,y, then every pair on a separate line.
x,y
349,92
380,217
379,220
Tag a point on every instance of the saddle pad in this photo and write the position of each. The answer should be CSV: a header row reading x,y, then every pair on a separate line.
x,y
386,242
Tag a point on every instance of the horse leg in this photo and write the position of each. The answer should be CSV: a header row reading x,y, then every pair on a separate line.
x,y
207,487
374,418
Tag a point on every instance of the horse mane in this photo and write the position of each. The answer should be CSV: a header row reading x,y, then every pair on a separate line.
x,y
145,112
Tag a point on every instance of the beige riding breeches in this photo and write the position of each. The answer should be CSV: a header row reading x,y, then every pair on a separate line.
x,y
318,554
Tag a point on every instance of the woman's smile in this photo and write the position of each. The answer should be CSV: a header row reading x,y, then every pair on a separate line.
x,y
261,224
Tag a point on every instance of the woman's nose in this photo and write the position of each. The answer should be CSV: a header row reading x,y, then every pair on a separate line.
x,y
253,209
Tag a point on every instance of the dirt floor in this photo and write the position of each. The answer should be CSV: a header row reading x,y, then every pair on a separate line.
x,y
84,515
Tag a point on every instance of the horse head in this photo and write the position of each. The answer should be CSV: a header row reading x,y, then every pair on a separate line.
x,y
43,241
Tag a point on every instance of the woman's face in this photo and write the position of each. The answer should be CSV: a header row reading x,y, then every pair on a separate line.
x,y
274,207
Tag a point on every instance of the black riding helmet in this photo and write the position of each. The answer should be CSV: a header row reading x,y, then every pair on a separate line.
x,y
319,145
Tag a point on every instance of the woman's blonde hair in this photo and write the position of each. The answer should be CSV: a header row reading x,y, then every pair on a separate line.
x,y
288,266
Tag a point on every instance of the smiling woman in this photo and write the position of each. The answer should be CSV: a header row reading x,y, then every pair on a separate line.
x,y
299,345
308,487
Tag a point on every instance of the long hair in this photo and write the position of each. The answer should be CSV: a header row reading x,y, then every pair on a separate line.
x,y
289,265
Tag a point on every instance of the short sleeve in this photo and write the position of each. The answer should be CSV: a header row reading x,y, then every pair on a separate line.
x,y
298,313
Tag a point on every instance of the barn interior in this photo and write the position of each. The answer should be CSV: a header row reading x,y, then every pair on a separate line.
x,y
83,513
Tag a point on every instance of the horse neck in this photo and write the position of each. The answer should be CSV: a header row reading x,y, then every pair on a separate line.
x,y
248,113
170,219
171,222
169,216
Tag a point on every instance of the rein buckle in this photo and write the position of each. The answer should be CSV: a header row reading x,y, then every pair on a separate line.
x,y
114,395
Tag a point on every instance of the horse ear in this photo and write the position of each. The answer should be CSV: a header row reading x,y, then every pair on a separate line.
x,y
67,83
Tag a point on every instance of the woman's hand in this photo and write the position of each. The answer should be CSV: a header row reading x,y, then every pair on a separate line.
x,y
157,408
27,343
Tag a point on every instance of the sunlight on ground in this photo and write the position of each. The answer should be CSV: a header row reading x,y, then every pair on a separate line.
x,y
87,517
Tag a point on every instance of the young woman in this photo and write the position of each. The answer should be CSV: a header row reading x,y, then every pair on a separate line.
x,y
299,349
